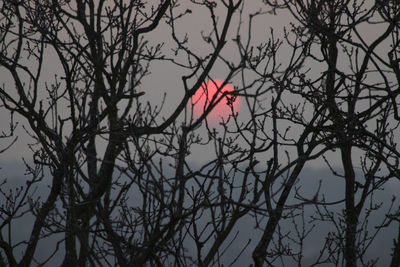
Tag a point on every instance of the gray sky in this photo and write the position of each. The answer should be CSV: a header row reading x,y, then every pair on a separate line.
x,y
168,80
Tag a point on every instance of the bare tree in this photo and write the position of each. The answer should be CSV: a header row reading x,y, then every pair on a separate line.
x,y
123,187
357,92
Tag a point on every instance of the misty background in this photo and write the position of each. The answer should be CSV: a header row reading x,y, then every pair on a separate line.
x,y
165,81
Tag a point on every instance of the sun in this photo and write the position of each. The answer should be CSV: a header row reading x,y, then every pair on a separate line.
x,y
205,96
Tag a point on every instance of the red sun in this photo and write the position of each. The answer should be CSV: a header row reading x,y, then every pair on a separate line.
x,y
206,95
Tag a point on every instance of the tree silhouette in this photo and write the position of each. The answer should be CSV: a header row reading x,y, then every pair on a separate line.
x,y
125,185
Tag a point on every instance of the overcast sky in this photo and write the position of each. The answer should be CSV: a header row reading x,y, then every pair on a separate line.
x,y
168,80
